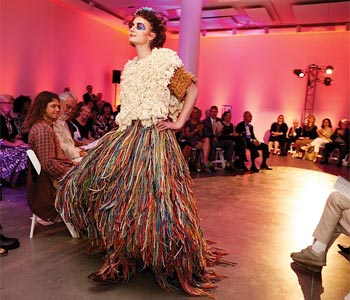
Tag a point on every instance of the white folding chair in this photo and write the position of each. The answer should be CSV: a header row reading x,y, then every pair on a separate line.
x,y
219,157
37,166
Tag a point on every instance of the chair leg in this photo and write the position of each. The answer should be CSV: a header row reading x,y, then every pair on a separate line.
x,y
34,220
222,159
70,228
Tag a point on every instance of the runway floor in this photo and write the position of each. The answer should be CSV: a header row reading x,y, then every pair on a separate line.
x,y
259,219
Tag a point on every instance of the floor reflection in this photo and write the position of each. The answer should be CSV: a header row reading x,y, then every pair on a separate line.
x,y
310,282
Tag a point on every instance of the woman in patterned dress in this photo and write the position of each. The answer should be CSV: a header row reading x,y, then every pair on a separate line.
x,y
13,155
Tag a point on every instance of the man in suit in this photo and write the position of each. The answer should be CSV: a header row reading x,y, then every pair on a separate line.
x,y
212,128
88,96
246,130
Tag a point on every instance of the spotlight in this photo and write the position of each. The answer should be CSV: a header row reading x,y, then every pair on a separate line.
x,y
327,81
299,73
329,70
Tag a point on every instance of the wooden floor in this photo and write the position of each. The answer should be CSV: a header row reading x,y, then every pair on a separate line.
x,y
259,219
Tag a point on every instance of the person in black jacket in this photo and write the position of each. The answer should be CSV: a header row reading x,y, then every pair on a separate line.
x,y
278,132
246,130
212,129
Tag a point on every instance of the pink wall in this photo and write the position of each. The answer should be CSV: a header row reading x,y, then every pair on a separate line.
x,y
256,73
47,46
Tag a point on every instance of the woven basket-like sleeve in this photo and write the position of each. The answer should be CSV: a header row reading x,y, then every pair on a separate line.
x,y
180,81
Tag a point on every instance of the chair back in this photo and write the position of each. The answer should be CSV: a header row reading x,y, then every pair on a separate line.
x,y
34,160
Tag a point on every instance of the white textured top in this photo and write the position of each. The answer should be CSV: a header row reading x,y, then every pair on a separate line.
x,y
144,93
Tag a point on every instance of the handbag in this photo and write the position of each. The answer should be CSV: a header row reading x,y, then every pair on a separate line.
x,y
309,154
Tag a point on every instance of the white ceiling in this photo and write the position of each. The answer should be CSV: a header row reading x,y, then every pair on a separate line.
x,y
239,16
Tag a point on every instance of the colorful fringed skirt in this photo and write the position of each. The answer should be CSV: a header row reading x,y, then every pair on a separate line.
x,y
132,197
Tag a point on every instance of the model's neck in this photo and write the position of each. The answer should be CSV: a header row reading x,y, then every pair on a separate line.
x,y
143,51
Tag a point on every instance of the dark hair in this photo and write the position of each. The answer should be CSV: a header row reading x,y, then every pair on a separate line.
x,y
38,108
225,113
158,25
19,102
107,104
329,121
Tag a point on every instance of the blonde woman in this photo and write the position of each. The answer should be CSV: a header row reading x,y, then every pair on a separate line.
x,y
308,134
324,136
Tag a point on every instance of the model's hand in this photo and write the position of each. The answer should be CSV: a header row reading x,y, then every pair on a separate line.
x,y
163,125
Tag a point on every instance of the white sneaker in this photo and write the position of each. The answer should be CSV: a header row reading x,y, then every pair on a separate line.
x,y
44,223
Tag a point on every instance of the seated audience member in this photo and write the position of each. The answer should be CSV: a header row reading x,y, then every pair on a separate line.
x,y
212,128
293,134
246,130
7,243
13,155
229,133
334,221
324,136
277,139
41,190
92,105
308,134
89,95
193,133
83,125
21,106
68,103
340,140
105,121
99,104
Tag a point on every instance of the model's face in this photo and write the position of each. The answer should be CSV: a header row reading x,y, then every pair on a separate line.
x,y
140,32
295,123
52,110
280,119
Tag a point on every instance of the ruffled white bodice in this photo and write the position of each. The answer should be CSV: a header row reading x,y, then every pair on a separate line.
x,y
144,93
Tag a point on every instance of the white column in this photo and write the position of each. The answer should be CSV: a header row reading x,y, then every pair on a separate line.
x,y
190,25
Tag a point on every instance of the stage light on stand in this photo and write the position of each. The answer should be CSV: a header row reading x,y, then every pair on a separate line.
x,y
315,74
327,81
299,73
329,70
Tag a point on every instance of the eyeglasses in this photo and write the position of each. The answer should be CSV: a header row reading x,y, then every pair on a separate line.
x,y
139,26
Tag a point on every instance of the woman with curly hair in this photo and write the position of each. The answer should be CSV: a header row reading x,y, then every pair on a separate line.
x,y
132,194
